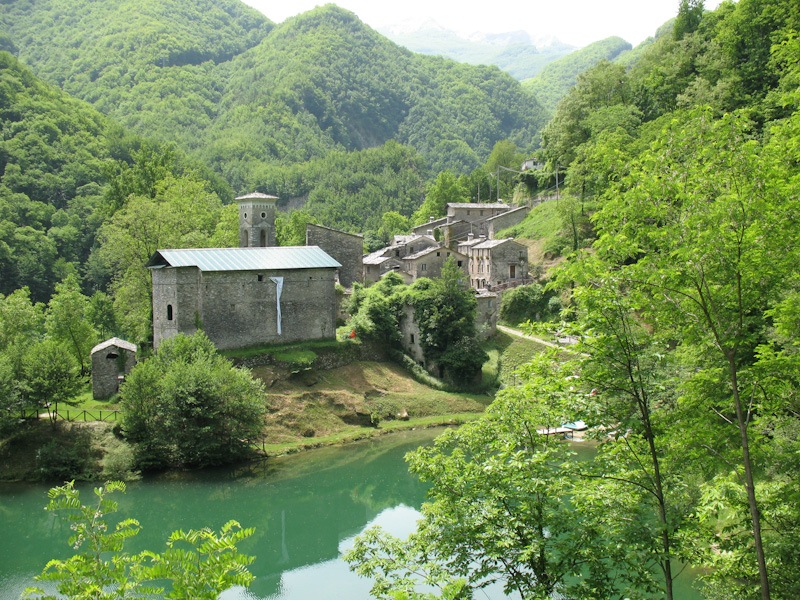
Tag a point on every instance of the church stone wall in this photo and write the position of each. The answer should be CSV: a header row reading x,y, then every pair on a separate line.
x,y
238,309
177,305
346,248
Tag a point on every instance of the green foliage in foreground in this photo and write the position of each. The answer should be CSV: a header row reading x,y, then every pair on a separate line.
x,y
198,564
507,505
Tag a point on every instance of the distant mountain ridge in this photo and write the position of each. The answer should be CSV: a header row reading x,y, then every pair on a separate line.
x,y
514,52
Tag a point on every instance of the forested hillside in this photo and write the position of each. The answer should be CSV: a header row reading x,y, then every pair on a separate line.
x,y
55,156
558,77
226,85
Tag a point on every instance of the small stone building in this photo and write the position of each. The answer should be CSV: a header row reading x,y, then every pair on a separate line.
x,y
429,262
244,297
497,263
346,248
112,360
486,313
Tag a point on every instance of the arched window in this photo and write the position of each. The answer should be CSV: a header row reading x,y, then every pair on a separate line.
x,y
169,312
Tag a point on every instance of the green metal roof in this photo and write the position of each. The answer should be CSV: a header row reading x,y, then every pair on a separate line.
x,y
273,258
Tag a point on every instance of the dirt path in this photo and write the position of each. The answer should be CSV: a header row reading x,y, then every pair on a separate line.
x,y
518,333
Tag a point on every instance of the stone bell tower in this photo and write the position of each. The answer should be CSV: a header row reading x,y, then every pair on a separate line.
x,y
256,220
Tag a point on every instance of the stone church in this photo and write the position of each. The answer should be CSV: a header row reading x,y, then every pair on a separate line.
x,y
253,295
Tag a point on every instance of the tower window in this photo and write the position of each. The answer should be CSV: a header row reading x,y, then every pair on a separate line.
x,y
245,215
169,312
263,215
261,278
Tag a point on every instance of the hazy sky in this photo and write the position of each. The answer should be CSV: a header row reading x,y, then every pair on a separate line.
x,y
576,22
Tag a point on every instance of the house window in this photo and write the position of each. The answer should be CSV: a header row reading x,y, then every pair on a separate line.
x,y
412,338
459,263
439,254
169,312
261,278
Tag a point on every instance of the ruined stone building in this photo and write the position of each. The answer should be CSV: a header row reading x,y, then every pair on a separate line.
x,y
486,310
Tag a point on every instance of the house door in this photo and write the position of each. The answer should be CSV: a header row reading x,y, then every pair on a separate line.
x,y
512,271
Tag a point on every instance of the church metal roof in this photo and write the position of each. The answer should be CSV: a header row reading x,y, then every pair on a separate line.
x,y
273,258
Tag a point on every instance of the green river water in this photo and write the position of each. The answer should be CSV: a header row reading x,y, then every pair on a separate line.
x,y
306,509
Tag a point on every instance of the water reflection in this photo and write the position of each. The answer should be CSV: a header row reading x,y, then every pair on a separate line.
x,y
306,510
302,507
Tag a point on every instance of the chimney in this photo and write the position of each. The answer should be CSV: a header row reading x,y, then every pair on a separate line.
x,y
431,219
470,236
430,232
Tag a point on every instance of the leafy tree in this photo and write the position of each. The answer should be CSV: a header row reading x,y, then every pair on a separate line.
x,y
100,313
376,310
505,506
101,569
628,372
21,320
690,12
530,302
68,323
188,406
290,230
705,230
392,224
51,376
444,190
445,313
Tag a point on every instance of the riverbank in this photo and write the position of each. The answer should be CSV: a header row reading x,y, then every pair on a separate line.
x,y
305,410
